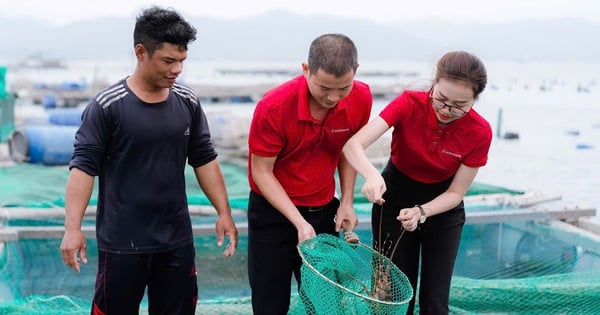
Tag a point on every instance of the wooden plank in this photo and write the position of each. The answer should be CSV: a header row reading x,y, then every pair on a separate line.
x,y
590,224
15,233
503,200
497,216
8,213
509,200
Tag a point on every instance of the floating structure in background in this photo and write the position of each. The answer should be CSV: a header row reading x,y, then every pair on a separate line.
x,y
228,85
56,96
38,61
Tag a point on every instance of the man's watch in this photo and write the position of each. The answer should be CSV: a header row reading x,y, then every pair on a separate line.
x,y
423,214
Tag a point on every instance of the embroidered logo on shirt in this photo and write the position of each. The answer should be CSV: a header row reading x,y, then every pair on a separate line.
x,y
187,132
340,130
456,155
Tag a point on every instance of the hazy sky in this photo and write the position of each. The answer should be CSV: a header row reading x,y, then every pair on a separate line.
x,y
65,11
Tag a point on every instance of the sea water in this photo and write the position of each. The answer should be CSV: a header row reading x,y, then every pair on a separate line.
x,y
555,110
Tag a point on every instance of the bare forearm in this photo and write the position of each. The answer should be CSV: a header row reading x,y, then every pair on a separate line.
x,y
77,196
211,181
454,194
347,180
354,149
357,157
442,203
272,190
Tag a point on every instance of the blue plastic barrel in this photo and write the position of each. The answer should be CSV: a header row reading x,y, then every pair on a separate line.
x,y
49,100
43,144
65,116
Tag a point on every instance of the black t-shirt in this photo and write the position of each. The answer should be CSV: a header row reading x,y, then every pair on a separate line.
x,y
139,152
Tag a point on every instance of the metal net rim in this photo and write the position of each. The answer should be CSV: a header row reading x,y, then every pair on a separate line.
x,y
367,297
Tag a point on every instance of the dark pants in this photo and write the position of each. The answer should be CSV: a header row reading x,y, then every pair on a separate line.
x,y
434,245
272,252
170,277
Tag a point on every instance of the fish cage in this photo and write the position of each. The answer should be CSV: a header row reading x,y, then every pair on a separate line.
x,y
514,258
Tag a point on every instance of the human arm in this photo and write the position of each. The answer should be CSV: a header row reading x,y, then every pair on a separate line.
x,y
211,181
346,211
271,189
77,196
354,151
447,200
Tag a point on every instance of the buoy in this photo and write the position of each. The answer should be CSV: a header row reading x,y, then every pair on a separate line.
x,y
49,100
573,132
511,136
583,146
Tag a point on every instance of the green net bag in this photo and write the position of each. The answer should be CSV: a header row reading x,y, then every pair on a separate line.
x,y
349,278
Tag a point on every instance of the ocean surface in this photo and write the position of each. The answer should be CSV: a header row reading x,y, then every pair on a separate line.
x,y
554,108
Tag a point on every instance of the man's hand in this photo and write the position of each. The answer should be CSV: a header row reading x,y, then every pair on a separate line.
x,y
226,226
74,248
305,232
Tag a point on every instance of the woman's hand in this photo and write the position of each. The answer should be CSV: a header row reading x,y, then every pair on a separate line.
x,y
409,217
374,188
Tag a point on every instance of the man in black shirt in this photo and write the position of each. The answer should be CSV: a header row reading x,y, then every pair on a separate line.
x,y
137,136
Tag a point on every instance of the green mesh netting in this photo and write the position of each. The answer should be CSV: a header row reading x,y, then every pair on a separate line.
x,y
7,103
7,118
3,91
570,293
34,280
501,268
40,186
59,304
344,278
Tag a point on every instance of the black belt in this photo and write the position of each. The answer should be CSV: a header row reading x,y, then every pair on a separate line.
x,y
318,208
311,208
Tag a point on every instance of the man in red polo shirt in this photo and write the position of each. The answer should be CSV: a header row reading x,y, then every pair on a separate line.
x,y
295,143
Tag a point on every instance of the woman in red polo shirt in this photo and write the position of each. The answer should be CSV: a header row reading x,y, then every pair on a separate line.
x,y
438,143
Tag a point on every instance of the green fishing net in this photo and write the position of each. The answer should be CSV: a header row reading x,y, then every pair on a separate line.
x,y
349,278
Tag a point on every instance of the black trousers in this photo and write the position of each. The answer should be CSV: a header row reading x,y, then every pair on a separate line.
x,y
169,277
272,251
433,246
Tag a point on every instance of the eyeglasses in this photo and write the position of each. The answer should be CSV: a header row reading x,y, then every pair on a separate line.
x,y
454,110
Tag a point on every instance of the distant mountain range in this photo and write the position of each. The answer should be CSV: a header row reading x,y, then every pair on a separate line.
x,y
282,36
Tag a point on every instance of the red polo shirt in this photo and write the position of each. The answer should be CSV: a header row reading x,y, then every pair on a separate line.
x,y
307,150
426,152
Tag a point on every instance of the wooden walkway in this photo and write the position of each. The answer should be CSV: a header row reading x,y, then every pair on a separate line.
x,y
518,208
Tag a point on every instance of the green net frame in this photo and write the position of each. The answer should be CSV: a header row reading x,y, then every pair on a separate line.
x,y
338,277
